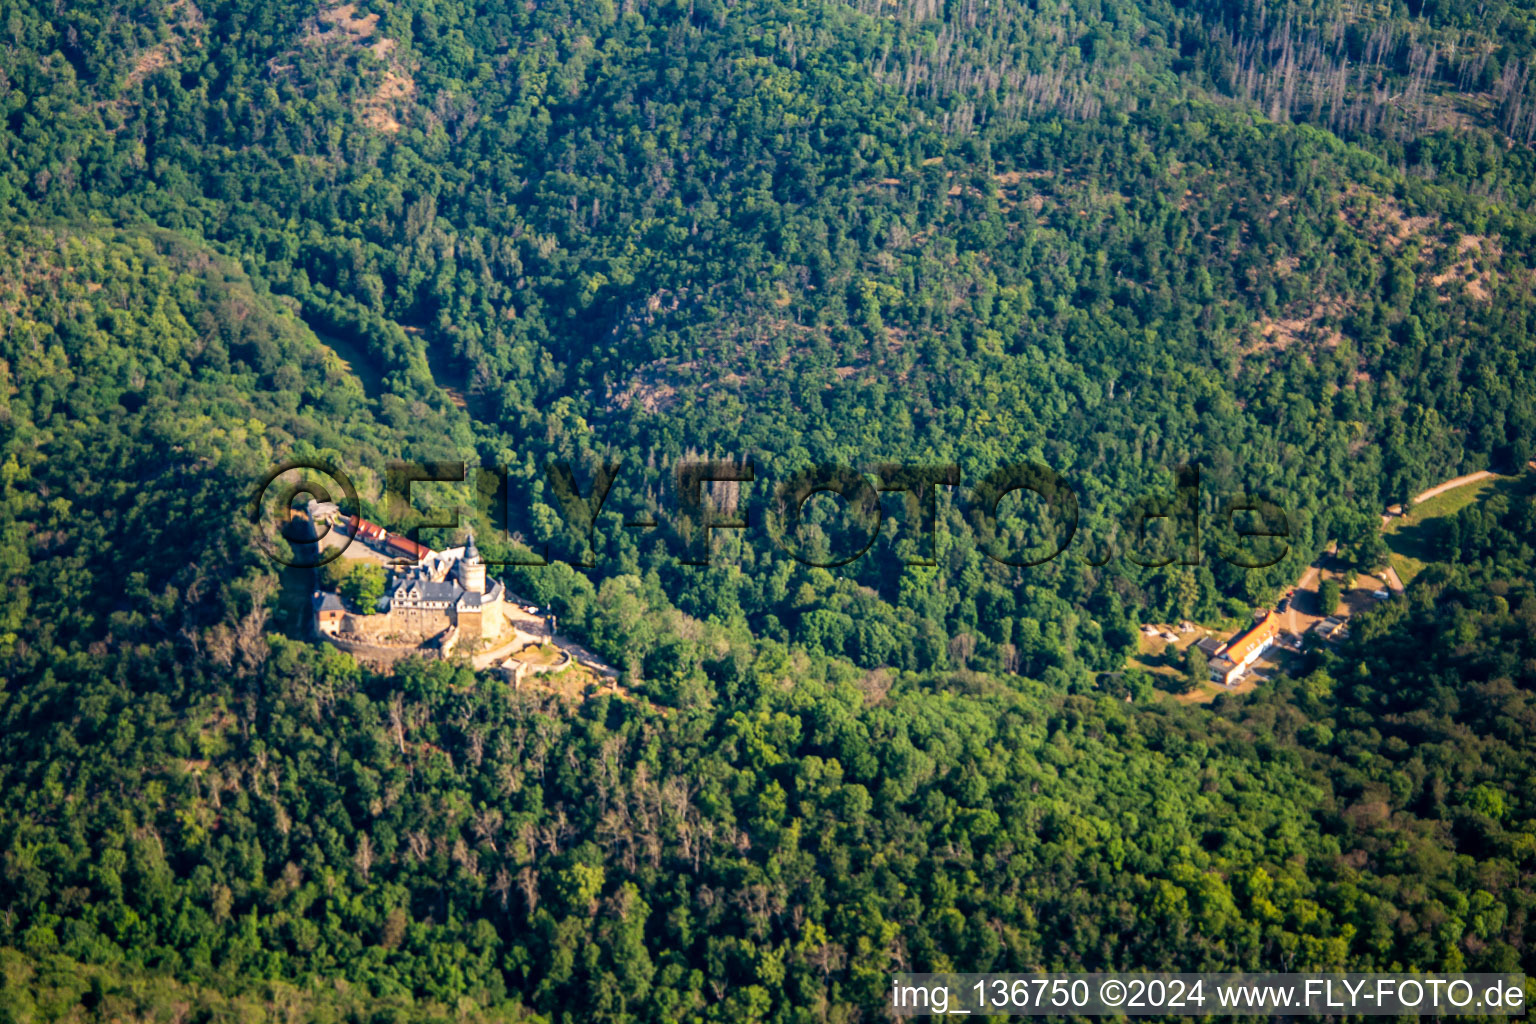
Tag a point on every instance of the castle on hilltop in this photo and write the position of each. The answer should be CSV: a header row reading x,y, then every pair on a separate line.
x,y
444,592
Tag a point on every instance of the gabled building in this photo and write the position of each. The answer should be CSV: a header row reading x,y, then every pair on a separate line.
x,y
404,547
1211,646
329,612
1245,649
1332,628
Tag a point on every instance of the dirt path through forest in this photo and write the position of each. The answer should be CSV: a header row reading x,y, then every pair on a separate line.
x,y
1451,485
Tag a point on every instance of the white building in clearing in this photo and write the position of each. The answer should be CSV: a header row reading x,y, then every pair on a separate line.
x,y
1246,649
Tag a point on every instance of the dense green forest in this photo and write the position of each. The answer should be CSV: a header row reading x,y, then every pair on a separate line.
x,y
1290,245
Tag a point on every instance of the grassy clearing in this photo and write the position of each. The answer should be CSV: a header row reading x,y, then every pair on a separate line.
x,y
355,361
440,366
1164,662
1410,538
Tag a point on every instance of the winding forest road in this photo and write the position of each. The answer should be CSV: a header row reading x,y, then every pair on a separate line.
x,y
1451,485
1308,581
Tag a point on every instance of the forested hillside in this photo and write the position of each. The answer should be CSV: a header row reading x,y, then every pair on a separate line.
x,y
1292,246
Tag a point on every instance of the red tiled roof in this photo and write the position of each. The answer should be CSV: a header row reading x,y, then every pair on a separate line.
x,y
1264,630
407,546
368,531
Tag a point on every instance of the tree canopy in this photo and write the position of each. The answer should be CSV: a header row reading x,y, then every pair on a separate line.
x,y
1287,248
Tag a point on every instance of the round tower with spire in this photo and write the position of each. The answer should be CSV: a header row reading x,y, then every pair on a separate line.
x,y
471,568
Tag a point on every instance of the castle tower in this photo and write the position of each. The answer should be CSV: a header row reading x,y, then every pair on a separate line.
x,y
471,569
